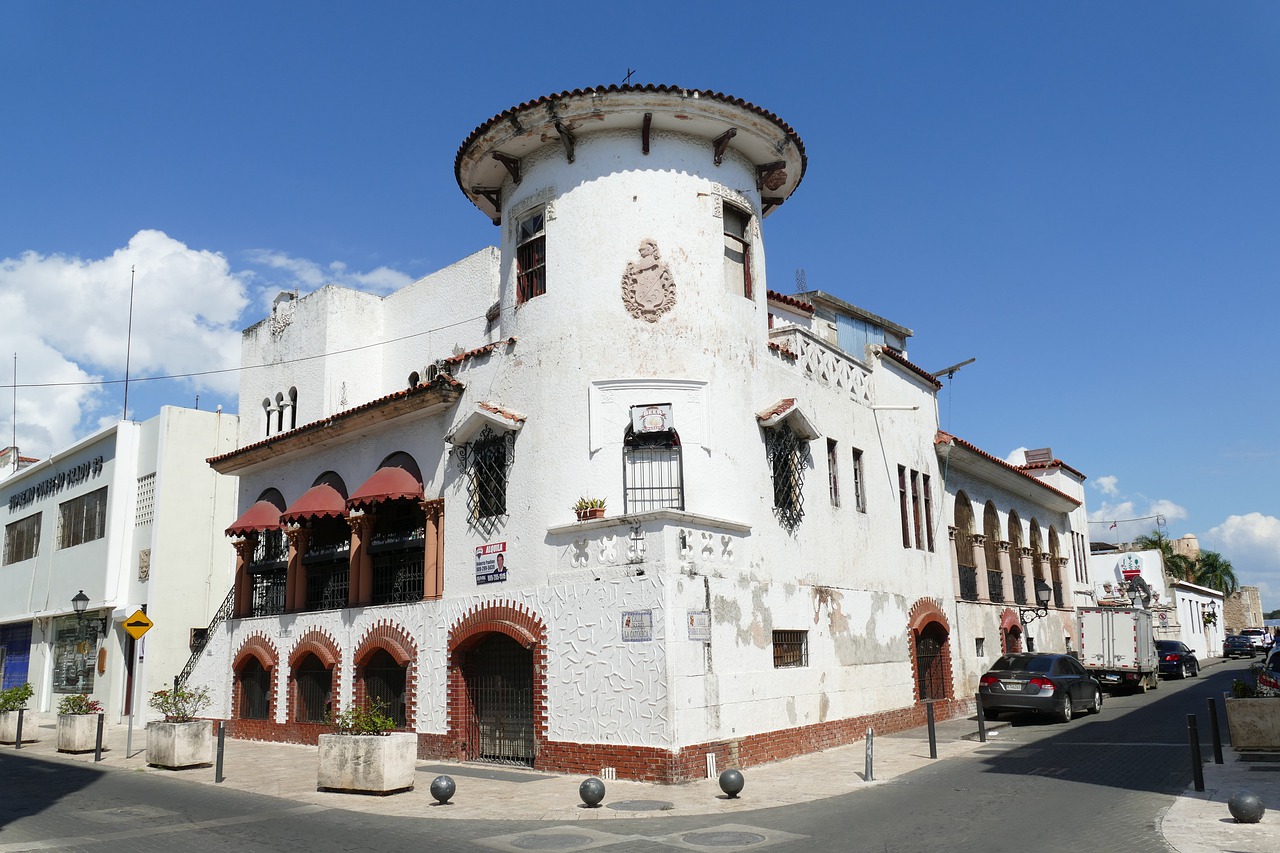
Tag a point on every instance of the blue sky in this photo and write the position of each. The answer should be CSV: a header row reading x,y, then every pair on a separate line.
x,y
1080,195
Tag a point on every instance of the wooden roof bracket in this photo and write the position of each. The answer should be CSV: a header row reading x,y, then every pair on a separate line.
x,y
567,139
721,143
494,197
512,164
644,132
768,203
763,172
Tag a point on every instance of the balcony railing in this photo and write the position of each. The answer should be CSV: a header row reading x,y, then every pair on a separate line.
x,y
327,584
969,583
397,575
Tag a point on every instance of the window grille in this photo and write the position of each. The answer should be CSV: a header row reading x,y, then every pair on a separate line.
x,y
22,539
931,676
786,453
268,586
499,678
384,682
146,500
255,690
790,649
314,685
1019,588
969,583
995,585
487,460
531,257
397,552
1057,594
82,519
652,471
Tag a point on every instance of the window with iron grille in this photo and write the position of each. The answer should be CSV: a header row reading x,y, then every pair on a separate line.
x,y
327,563
531,256
255,690
790,649
833,479
384,682
737,251
652,471
859,490
486,461
21,539
313,691
82,519
267,590
931,662
397,552
786,452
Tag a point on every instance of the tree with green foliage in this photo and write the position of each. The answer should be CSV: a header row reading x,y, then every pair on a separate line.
x,y
1214,571
1177,565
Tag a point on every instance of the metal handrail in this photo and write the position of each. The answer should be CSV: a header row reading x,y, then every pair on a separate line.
x,y
198,647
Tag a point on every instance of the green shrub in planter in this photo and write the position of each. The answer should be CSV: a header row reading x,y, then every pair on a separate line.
x,y
79,703
366,719
15,698
180,705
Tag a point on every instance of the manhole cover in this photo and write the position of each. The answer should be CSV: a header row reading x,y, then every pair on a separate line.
x,y
550,841
642,806
722,839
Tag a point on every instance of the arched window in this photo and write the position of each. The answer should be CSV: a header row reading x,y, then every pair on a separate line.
x,y
1037,547
266,411
1056,576
293,408
313,691
964,548
1015,558
384,683
279,412
652,471
254,682
991,550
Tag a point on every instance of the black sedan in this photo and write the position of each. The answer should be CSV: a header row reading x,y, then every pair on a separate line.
x,y
1177,658
1237,646
1042,683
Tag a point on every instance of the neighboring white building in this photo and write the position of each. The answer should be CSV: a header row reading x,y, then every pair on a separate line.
x,y
1181,610
132,516
768,577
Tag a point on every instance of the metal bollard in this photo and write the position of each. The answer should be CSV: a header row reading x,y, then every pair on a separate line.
x,y
933,735
982,721
1217,734
869,765
222,742
1193,735
17,743
97,750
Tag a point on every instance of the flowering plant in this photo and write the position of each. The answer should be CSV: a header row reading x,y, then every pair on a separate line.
x,y
180,705
79,703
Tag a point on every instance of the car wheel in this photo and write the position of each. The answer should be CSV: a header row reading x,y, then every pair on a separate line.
x,y
1064,709
1095,707
1195,670
1183,672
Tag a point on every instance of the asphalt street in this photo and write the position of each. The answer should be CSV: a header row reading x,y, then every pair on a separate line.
x,y
1097,783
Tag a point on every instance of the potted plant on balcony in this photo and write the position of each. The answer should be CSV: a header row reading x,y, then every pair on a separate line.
x,y
78,723
588,508
365,754
180,739
12,701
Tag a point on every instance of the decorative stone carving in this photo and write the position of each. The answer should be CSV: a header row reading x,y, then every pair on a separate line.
x,y
648,291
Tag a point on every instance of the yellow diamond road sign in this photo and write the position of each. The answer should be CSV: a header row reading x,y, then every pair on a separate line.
x,y
137,625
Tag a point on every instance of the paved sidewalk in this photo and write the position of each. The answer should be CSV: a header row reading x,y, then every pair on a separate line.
x,y
1196,823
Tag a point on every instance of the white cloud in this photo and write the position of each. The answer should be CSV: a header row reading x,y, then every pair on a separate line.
x,y
1108,485
1170,510
1252,543
304,276
1017,457
67,318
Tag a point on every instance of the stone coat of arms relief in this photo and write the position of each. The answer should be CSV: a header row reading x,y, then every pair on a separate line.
x,y
648,291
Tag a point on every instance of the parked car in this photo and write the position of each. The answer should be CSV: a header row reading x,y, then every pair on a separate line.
x,y
1041,683
1177,658
1240,646
1260,638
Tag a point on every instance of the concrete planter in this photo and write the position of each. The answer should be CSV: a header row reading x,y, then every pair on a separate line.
x,y
371,764
178,745
1254,723
79,733
9,727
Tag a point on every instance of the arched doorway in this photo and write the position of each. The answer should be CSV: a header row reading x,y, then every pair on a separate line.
x,y
498,673
931,662
384,682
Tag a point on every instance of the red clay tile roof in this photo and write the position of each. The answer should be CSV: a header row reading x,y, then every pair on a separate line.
x,y
502,413
894,355
790,301
478,351
1057,463
778,408
947,438
783,350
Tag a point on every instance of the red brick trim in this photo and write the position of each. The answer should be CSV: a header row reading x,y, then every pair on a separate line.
x,y
259,647
927,610
321,644
395,640
925,613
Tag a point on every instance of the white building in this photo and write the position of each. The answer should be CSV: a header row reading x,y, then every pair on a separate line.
x,y
1180,610
131,516
768,577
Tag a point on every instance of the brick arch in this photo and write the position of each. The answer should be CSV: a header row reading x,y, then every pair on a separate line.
x,y
260,648
1010,631
522,625
395,640
927,620
321,644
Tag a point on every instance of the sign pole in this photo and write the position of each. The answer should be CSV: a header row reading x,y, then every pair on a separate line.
x,y
135,626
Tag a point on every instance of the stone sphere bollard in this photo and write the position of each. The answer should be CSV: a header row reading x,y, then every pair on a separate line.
x,y
442,788
1246,807
731,783
592,792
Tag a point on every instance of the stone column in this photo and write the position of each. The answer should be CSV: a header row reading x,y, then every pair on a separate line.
x,y
242,604
1060,575
955,560
295,583
360,581
1006,569
433,556
979,541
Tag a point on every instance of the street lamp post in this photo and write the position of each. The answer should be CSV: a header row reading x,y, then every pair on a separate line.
x,y
1027,615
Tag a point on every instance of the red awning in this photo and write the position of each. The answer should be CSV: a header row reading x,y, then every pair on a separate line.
x,y
386,484
264,515
316,502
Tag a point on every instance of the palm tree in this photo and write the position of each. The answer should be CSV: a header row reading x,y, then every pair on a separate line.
x,y
1177,565
1214,571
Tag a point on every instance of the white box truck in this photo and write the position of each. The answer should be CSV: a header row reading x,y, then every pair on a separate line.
x,y
1118,647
